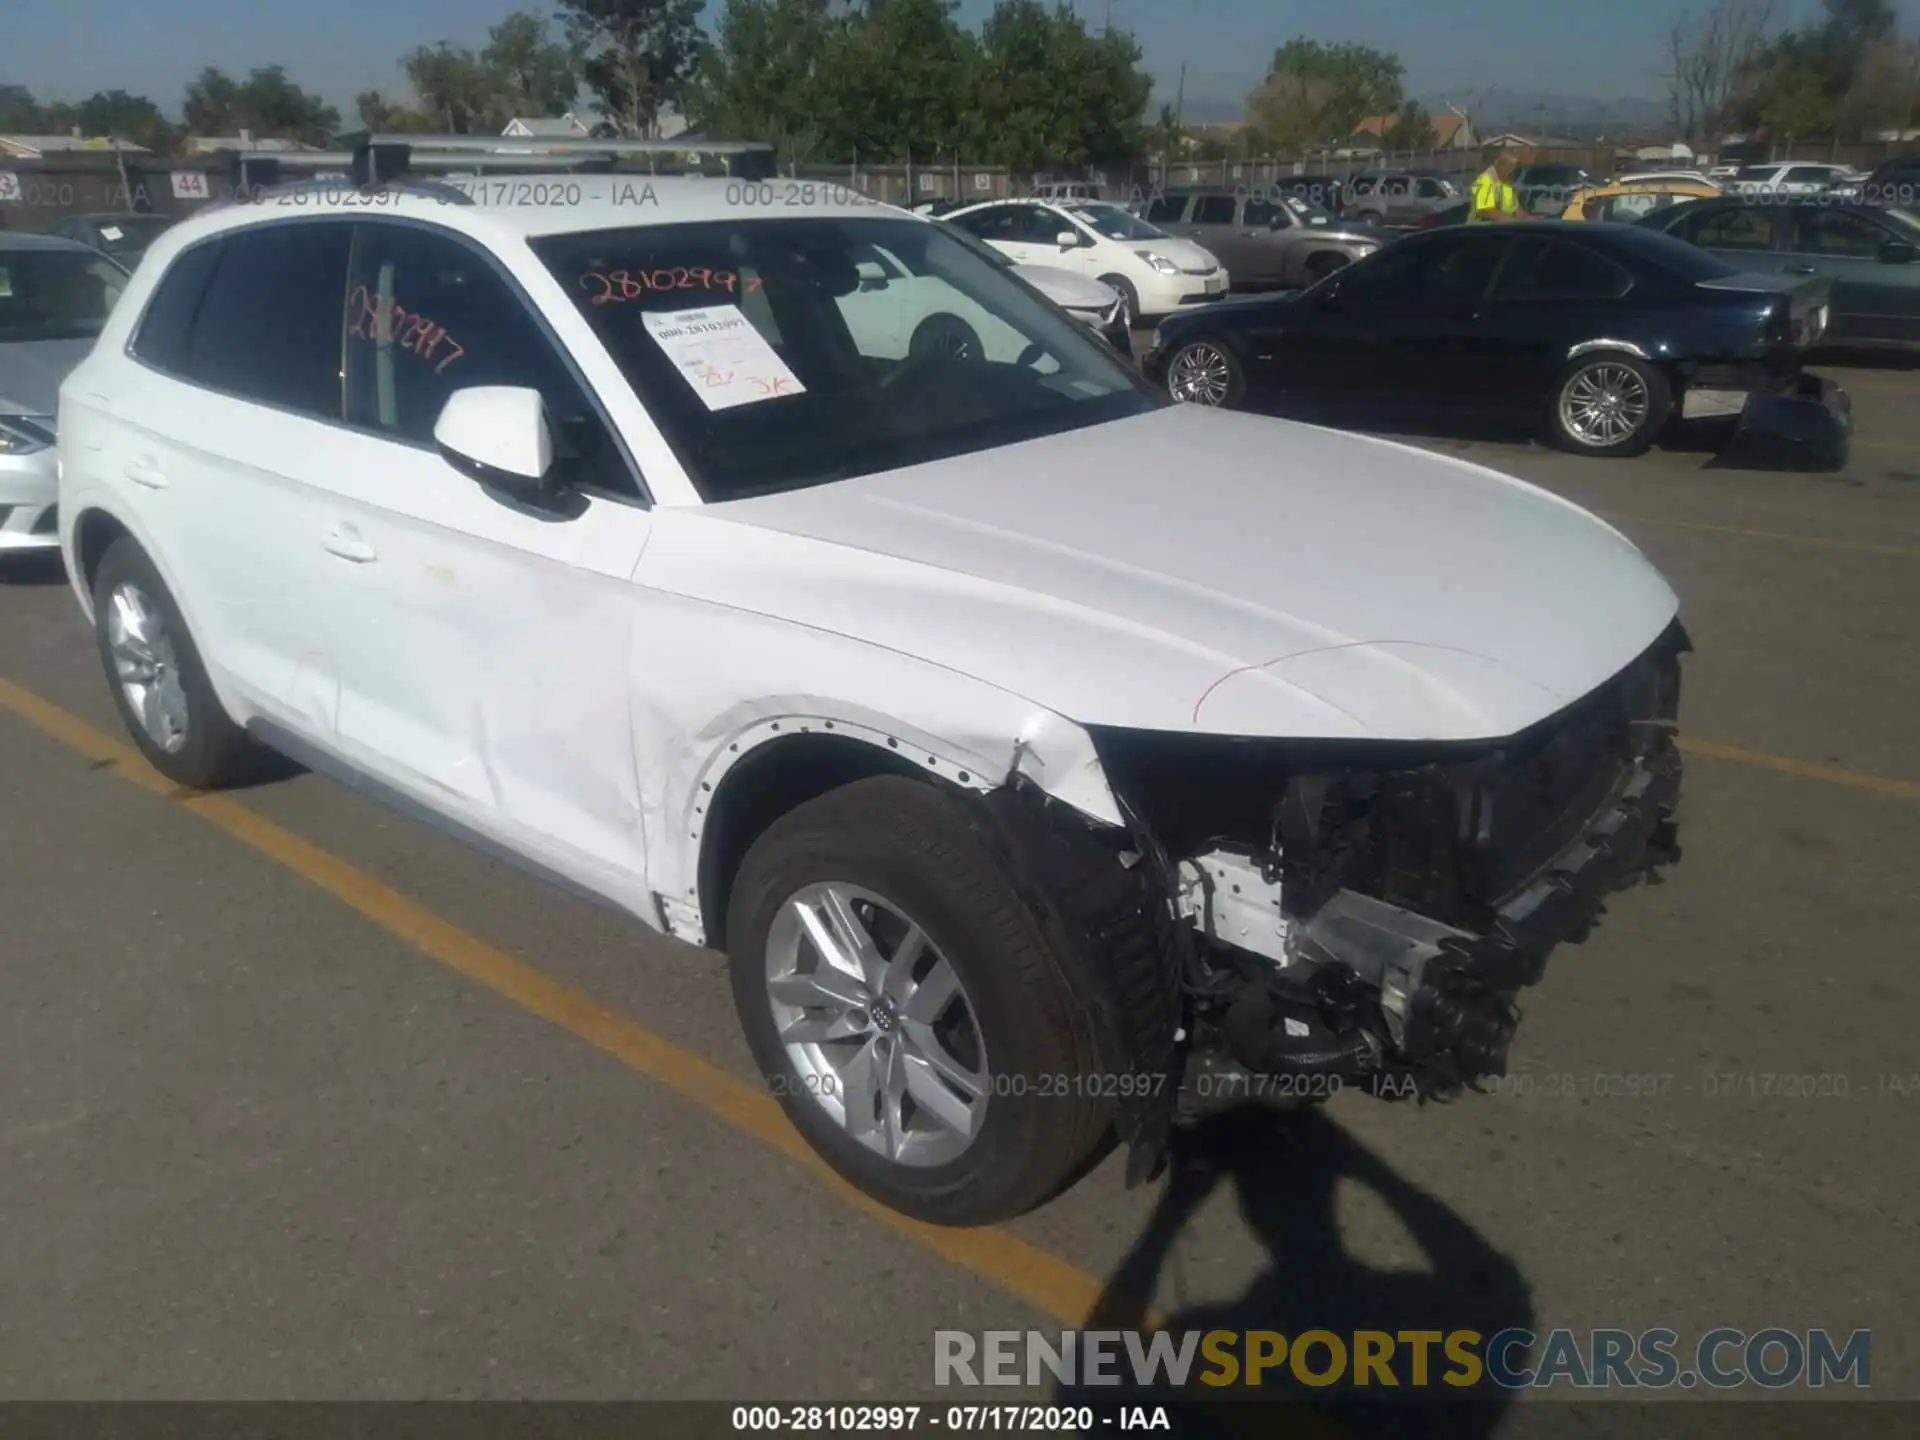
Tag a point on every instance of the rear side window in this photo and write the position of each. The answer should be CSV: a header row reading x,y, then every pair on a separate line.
x,y
1166,209
268,328
1553,270
1213,210
161,340
1737,227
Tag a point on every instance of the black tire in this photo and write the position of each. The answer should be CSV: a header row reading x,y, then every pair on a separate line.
x,y
1129,298
1601,367
916,846
212,751
945,337
1204,356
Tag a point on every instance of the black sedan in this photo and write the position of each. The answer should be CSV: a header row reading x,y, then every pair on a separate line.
x,y
1869,253
1595,334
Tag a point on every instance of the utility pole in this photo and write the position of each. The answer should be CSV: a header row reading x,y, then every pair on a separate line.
x,y
1107,29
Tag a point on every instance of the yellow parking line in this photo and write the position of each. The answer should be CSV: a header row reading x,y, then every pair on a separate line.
x,y
1903,552
1045,1281
1805,769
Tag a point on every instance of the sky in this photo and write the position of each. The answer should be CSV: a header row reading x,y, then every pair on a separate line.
x,y
67,49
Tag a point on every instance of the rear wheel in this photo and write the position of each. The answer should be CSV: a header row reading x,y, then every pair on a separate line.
x,y
1206,372
1609,405
905,1009
158,680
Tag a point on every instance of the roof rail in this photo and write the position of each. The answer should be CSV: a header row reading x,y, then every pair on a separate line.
x,y
384,156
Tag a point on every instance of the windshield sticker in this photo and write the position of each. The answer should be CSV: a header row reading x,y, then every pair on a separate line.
x,y
392,324
111,232
613,287
724,359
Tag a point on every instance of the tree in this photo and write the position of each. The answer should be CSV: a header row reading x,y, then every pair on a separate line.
x,y
1412,129
899,78
1316,93
456,89
20,113
536,74
132,118
1046,91
1711,53
381,116
636,55
266,103
769,76
1797,106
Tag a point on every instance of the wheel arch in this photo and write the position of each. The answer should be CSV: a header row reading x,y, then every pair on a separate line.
x,y
777,765
94,531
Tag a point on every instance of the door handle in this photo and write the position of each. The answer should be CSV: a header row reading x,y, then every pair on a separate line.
x,y
145,472
347,544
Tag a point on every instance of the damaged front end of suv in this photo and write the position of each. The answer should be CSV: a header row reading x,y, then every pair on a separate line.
x,y
1365,914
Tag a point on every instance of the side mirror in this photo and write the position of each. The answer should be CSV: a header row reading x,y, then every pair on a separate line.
x,y
497,435
1067,240
1898,252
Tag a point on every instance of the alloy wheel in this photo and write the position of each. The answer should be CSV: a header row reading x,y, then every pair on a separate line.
x,y
146,666
1201,374
1604,404
876,1024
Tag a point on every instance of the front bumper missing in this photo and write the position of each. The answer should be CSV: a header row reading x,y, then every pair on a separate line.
x,y
1376,993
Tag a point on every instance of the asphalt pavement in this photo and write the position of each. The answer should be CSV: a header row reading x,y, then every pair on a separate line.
x,y
299,1099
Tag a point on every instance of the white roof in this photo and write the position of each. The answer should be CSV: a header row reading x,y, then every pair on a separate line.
x,y
517,207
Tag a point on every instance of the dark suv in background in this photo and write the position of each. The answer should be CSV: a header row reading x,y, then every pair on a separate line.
x,y
1397,197
1546,189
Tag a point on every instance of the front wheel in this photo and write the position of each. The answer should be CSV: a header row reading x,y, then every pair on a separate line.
x,y
1609,405
1206,372
905,1009
1129,298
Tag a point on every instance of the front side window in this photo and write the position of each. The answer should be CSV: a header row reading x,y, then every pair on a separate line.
x,y
427,315
1432,276
1166,210
1839,232
268,327
56,294
778,354
1265,215
1013,225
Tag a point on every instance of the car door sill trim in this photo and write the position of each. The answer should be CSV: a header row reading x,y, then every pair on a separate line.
x,y
324,762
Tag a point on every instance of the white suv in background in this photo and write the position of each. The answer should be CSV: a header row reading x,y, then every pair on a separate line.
x,y
1155,273
1024,739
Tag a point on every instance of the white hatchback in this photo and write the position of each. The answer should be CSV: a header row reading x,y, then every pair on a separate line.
x,y
1029,743
1155,273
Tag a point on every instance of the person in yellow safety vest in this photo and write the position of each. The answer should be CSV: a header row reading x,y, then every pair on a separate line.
x,y
1493,195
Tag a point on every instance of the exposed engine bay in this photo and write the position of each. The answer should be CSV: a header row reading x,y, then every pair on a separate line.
x,y
1366,914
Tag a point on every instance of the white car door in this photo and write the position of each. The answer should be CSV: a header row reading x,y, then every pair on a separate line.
x,y
228,415
484,649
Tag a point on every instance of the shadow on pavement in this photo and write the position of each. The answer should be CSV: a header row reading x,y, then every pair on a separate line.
x,y
1285,1169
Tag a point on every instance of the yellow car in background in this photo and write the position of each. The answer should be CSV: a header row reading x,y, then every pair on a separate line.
x,y
1632,199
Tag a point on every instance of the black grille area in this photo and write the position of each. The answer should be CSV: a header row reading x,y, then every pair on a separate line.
x,y
49,522
1447,830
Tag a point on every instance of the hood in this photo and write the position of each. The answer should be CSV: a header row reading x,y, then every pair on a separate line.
x,y
1203,571
1191,258
31,372
1066,289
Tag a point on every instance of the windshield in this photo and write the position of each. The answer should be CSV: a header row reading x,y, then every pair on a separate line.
x,y
129,232
56,294
1115,223
779,354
